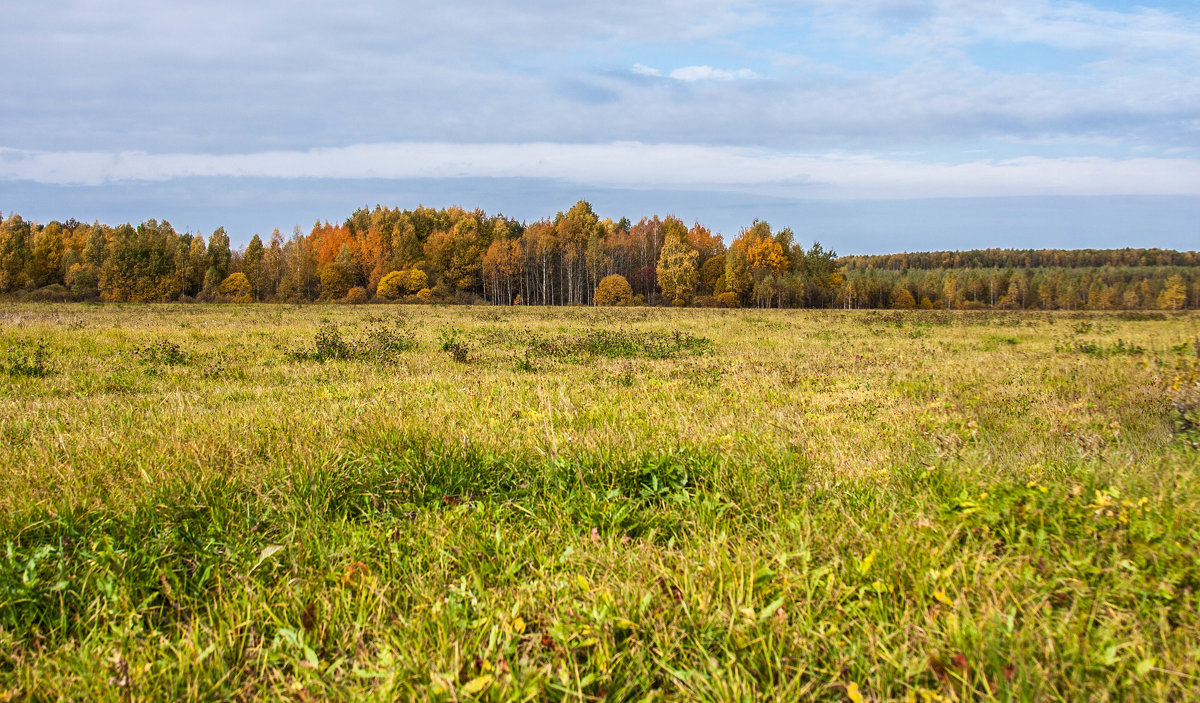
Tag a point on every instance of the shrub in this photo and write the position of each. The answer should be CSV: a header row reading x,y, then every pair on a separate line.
x,y
54,293
381,343
415,280
356,296
400,283
424,296
622,344
235,288
614,290
905,300
329,344
728,299
390,286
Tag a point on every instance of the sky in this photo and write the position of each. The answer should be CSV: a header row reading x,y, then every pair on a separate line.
x,y
871,125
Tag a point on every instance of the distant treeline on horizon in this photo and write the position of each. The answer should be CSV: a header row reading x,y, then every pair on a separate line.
x,y
452,255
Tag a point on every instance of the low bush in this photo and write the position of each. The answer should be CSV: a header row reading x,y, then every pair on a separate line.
x,y
161,352
28,359
622,344
383,342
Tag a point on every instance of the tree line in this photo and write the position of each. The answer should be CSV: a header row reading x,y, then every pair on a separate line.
x,y
1023,259
574,258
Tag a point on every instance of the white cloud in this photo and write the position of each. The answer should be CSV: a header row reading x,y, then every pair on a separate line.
x,y
702,73
637,165
201,77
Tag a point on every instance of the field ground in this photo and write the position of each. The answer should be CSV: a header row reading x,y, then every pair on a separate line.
x,y
466,503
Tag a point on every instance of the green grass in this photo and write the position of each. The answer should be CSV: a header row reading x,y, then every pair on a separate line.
x,y
331,503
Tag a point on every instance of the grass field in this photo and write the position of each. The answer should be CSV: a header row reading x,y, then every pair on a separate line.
x,y
464,503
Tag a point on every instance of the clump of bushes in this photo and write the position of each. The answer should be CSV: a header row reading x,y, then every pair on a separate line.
x,y
28,359
398,284
383,342
1099,349
728,300
623,344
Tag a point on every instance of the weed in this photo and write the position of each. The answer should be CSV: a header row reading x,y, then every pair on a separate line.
x,y
524,362
382,343
450,343
162,352
29,359
622,344
328,344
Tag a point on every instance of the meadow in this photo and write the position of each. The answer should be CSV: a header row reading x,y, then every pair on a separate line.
x,y
385,502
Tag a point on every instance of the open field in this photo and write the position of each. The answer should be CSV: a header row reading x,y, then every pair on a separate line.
x,y
461,503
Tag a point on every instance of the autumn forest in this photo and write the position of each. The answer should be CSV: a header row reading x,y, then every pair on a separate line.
x,y
575,258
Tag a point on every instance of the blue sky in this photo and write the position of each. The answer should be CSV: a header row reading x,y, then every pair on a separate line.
x,y
873,125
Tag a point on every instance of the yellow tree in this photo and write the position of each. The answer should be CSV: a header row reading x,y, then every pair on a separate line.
x,y
763,253
614,290
502,269
1174,294
678,270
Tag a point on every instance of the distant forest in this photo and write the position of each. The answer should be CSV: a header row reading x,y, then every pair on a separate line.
x,y
454,255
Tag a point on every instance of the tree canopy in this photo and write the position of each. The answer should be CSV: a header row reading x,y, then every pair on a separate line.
x,y
458,255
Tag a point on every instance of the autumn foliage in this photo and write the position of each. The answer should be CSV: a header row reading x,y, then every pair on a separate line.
x,y
614,290
466,256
